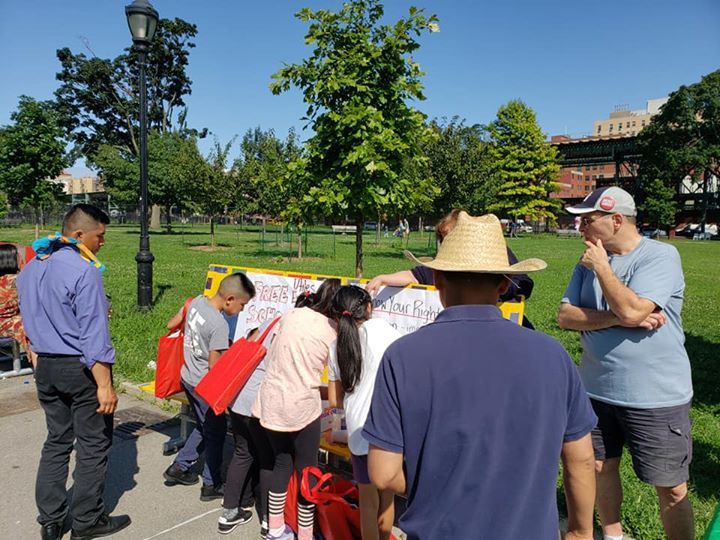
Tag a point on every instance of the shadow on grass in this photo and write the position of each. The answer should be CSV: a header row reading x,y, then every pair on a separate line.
x,y
207,245
171,233
161,288
705,470
705,371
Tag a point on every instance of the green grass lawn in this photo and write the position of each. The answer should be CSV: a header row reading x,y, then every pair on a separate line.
x,y
180,267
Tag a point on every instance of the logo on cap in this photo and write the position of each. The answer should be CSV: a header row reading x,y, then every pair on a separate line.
x,y
607,202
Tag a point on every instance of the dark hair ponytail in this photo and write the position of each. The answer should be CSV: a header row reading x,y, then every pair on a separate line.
x,y
350,308
324,296
306,299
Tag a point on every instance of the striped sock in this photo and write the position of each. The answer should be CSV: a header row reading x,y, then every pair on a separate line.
x,y
306,517
276,512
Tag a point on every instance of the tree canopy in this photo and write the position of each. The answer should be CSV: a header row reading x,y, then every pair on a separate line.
x,y
525,166
97,97
366,152
459,163
175,168
32,151
683,140
262,168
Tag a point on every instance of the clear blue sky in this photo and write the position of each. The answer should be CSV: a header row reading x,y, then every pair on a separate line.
x,y
572,61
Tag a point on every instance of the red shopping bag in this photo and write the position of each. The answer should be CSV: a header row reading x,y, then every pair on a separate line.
x,y
170,359
335,517
224,381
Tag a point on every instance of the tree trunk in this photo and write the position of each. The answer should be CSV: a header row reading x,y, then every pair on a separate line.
x,y
359,221
420,226
155,217
282,231
37,223
168,218
212,232
299,231
377,230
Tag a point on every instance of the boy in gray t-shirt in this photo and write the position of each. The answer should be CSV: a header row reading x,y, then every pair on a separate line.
x,y
206,338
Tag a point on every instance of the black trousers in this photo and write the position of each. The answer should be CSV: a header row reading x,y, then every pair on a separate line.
x,y
68,394
251,465
293,449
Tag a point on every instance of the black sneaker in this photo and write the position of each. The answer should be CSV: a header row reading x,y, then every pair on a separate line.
x,y
51,531
105,526
174,474
232,518
210,493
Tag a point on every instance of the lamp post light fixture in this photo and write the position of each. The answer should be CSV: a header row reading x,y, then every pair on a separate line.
x,y
142,19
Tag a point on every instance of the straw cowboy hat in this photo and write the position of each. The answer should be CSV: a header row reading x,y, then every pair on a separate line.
x,y
476,244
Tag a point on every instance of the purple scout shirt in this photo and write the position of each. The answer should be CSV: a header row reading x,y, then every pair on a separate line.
x,y
64,307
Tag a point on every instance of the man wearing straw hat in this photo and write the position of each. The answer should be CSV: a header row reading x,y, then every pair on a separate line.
x,y
472,413
625,297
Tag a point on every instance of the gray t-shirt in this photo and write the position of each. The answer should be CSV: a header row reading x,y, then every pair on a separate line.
x,y
244,401
632,367
205,330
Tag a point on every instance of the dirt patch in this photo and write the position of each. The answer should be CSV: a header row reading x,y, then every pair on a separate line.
x,y
210,249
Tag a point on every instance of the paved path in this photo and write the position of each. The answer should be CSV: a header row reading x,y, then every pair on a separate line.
x,y
134,485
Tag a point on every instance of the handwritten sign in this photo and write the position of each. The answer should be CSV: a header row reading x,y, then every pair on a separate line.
x,y
407,309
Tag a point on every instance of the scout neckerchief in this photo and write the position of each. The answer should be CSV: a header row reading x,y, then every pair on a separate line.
x,y
44,247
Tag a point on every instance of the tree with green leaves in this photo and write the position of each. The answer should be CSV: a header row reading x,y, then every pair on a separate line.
x,y
98,100
460,165
365,156
175,167
682,141
526,168
262,165
219,185
32,151
3,205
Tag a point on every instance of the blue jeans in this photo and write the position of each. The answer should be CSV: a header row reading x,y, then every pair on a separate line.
x,y
208,436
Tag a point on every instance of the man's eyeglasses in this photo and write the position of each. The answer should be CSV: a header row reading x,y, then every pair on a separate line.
x,y
589,221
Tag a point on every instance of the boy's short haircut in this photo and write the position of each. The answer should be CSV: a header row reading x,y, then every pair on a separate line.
x,y
235,284
83,217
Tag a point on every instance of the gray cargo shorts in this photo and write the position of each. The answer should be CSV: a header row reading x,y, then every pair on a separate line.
x,y
659,440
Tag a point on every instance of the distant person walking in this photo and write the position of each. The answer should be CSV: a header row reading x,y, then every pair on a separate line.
x,y
625,298
65,313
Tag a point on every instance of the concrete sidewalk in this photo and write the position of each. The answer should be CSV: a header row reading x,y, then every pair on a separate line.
x,y
134,486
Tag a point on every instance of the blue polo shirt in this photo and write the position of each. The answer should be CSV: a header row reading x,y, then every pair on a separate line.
x,y
480,407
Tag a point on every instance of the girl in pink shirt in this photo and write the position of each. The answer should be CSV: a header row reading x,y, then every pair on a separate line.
x,y
288,403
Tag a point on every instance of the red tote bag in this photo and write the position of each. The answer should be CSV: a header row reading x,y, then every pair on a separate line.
x,y
227,377
170,359
335,517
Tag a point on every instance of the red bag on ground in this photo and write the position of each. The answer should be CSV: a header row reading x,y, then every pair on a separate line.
x,y
224,381
170,359
335,517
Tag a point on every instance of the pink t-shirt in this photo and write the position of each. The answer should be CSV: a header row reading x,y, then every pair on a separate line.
x,y
289,396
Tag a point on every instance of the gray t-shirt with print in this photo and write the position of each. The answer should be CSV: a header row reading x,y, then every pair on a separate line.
x,y
205,330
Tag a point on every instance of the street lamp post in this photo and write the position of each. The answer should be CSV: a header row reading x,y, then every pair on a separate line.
x,y
142,19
